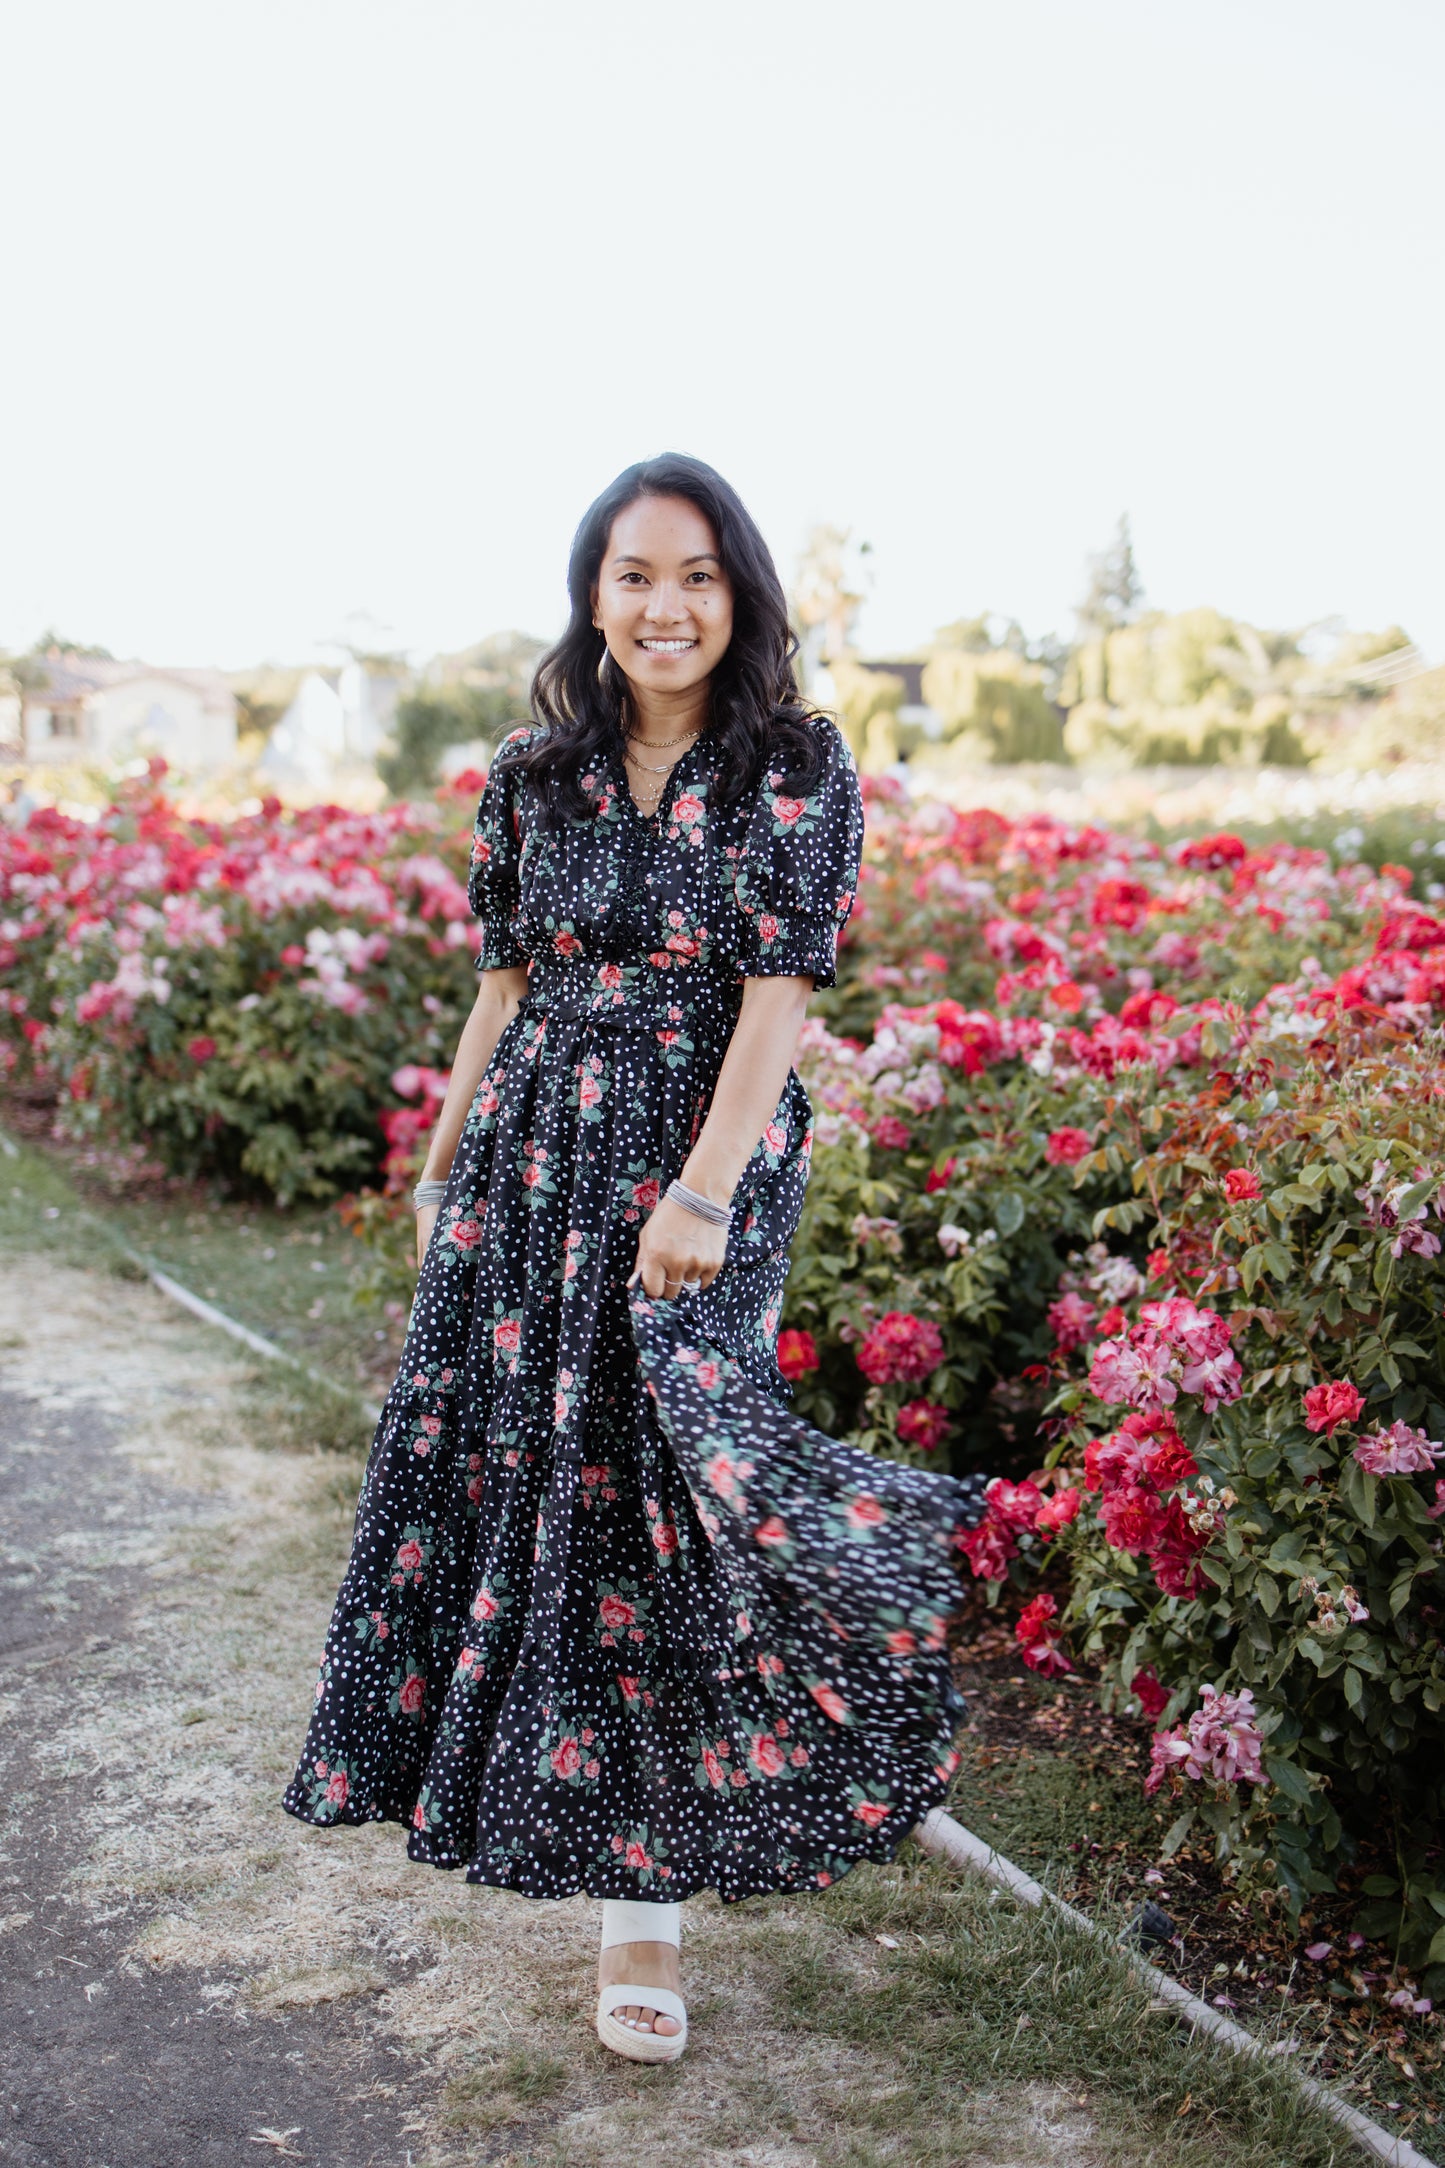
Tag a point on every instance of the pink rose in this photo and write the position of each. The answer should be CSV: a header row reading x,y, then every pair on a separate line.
x,y
636,1856
410,1556
1241,1185
771,1531
411,1695
830,1701
566,1758
872,1812
507,1337
766,1755
338,1790
864,1511
616,1612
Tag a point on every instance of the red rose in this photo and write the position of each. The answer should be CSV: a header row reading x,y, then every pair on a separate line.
x,y
664,1537
645,1194
411,1695
1327,1406
1062,1508
797,1354
900,1347
1132,1519
628,1687
1038,1638
1241,1184
1066,1147
890,1134
872,1812
615,1612
772,1531
830,1701
201,1050
924,1423
901,1642
566,1758
1152,1698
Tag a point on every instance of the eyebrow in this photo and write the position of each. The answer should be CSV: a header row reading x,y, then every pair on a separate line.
x,y
704,557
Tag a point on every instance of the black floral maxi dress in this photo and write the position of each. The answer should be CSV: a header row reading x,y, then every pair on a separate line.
x,y
615,1620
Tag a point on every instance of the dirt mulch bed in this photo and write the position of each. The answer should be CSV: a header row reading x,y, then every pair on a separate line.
x,y
1056,1784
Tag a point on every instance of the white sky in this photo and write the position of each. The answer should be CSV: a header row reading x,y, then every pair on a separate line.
x,y
315,307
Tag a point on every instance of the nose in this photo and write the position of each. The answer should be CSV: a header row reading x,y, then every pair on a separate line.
x,y
665,604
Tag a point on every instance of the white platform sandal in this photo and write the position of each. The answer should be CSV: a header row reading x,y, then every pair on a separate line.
x,y
625,1921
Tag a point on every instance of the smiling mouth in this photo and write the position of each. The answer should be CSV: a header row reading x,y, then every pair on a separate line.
x,y
667,647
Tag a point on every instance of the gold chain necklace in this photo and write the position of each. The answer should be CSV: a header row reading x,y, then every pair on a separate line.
x,y
655,745
633,762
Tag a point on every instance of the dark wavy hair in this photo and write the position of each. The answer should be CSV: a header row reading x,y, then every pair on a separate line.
x,y
758,717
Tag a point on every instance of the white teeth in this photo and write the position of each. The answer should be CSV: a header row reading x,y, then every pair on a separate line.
x,y
668,647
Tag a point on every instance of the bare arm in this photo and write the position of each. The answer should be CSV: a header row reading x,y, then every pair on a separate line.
x,y
499,996
676,1245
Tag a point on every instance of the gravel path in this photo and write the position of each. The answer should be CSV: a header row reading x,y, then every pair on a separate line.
x,y
190,1979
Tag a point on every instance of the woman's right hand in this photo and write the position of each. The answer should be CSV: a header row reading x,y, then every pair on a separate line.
x,y
425,1221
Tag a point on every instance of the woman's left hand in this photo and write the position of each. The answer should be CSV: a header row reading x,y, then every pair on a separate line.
x,y
674,1246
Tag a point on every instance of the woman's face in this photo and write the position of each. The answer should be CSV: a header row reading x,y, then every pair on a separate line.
x,y
662,600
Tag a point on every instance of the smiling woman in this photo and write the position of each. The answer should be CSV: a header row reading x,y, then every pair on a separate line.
x,y
615,1620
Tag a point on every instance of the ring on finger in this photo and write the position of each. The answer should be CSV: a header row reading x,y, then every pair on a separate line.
x,y
692,1287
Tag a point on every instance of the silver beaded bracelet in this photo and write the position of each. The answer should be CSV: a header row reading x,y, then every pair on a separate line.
x,y
427,1193
717,1215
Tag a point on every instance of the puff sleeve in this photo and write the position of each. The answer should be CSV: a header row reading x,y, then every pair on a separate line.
x,y
797,874
493,887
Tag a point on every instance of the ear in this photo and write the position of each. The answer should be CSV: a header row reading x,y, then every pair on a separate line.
x,y
595,626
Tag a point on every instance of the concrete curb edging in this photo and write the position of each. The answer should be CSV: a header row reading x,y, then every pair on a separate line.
x,y
207,1311
940,1834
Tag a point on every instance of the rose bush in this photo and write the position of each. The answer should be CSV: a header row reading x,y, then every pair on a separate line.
x,y
234,997
1127,1186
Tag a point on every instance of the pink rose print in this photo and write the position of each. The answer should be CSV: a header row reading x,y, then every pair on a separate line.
x,y
566,1758
411,1695
766,1756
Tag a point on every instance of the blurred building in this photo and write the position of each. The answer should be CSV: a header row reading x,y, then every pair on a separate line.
x,y
83,708
335,722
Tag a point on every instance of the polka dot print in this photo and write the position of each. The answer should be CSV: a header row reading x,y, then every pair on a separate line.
x,y
615,1620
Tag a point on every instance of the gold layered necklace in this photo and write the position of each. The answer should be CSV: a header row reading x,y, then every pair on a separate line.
x,y
651,793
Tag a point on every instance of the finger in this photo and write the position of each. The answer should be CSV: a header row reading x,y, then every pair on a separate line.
x,y
654,1280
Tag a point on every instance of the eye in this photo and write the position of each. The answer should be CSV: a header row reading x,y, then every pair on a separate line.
x,y
625,577
699,575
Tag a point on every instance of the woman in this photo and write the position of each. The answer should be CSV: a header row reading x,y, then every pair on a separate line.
x,y
614,1619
